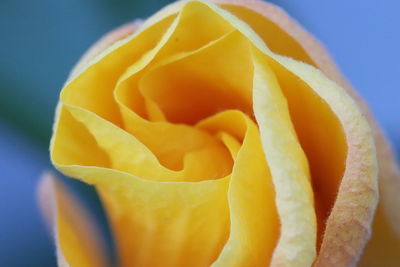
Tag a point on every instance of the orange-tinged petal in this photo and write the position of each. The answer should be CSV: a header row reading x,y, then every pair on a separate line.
x,y
353,210
316,54
79,243
260,15
328,125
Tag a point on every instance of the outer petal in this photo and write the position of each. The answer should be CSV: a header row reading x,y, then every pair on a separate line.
x,y
388,216
348,224
78,241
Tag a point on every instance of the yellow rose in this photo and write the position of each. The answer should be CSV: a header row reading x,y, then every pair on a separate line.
x,y
220,134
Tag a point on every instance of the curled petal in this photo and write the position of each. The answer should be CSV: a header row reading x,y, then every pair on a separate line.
x,y
297,43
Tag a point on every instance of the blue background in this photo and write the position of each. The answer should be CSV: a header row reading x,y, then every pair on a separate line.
x,y
41,40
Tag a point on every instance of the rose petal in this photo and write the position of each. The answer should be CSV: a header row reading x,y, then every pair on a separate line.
x,y
289,168
313,52
78,241
254,228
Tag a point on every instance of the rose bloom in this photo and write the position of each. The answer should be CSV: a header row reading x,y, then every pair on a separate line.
x,y
220,134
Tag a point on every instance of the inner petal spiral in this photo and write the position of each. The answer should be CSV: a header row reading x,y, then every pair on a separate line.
x,y
184,168
191,86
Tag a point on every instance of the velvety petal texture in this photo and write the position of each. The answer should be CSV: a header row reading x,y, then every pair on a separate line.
x,y
222,134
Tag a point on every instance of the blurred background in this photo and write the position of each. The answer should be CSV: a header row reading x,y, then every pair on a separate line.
x,y
41,40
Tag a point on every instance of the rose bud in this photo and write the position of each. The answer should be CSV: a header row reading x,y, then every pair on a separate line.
x,y
221,134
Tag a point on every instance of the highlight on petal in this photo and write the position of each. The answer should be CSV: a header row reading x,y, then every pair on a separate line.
x,y
78,241
289,168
